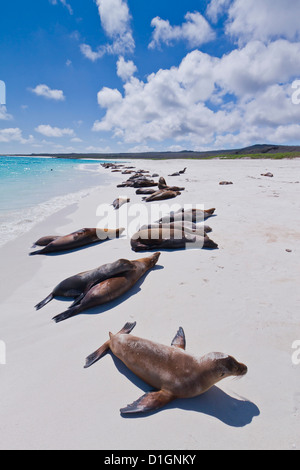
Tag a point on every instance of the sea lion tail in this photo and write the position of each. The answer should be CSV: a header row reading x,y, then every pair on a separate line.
x,y
97,355
44,302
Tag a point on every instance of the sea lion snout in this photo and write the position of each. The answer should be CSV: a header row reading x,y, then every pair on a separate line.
x,y
234,367
155,258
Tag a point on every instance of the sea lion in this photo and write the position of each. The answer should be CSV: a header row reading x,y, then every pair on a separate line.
x,y
224,183
162,184
111,288
168,238
145,191
187,227
80,284
192,215
270,175
169,369
120,202
86,236
162,195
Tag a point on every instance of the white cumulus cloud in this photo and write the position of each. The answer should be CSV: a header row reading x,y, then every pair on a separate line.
x,y
252,87
125,69
50,131
115,20
46,92
195,30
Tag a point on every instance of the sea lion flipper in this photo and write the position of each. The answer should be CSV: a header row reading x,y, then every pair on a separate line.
x,y
44,302
149,402
179,340
94,357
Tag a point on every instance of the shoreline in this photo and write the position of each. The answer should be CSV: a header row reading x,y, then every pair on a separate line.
x,y
240,299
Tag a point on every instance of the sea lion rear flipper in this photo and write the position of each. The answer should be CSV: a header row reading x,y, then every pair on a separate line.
x,y
94,357
44,302
179,340
149,402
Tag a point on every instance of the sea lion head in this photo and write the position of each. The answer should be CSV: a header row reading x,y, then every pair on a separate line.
x,y
227,366
222,366
154,258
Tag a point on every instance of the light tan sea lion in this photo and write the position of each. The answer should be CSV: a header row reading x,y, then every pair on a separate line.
x,y
169,239
169,369
111,288
84,237
192,215
77,286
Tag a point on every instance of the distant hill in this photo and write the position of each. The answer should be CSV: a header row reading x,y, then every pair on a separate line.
x,y
258,151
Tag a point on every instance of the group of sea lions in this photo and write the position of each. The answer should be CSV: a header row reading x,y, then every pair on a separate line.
x,y
169,369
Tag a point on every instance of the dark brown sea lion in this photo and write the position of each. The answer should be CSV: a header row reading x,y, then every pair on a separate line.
x,y
168,238
169,369
80,284
163,185
112,288
86,236
224,183
187,227
147,191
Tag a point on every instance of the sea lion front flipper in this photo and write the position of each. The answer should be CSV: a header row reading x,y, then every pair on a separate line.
x,y
179,340
149,402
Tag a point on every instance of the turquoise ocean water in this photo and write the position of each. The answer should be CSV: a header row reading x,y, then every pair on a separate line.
x,y
33,188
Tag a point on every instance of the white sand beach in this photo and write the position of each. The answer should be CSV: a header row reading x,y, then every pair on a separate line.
x,y
242,299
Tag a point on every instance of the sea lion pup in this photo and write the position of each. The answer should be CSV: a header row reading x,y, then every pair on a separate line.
x,y
78,285
169,369
86,236
161,195
192,215
110,289
120,202
168,238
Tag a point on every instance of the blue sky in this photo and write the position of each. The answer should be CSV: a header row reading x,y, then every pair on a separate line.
x,y
123,76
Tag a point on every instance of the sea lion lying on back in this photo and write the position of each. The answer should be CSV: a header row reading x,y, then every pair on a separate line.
x,y
168,238
86,236
169,369
110,289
